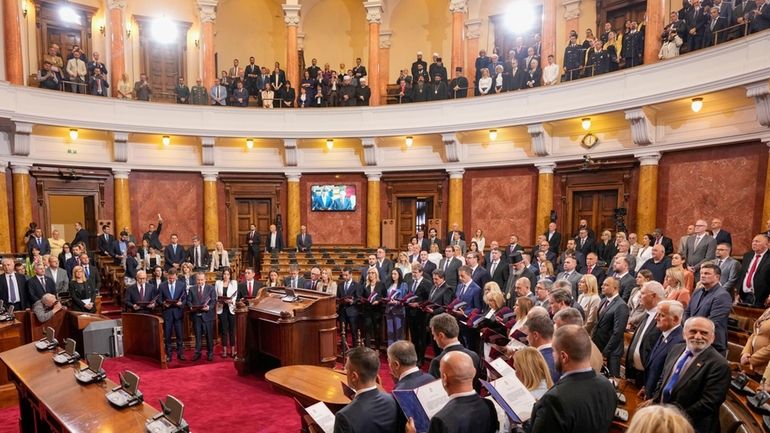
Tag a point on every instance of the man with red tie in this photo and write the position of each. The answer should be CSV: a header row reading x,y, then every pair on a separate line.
x,y
754,279
139,294
249,287
202,300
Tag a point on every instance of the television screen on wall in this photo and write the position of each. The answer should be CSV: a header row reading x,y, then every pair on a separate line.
x,y
333,198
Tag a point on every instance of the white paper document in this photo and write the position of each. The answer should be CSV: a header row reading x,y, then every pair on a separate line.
x,y
432,397
322,416
502,368
516,395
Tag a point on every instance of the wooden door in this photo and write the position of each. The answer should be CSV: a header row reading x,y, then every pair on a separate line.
x,y
596,207
65,38
406,221
252,211
164,66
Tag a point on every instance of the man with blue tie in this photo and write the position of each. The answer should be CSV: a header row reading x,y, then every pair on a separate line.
x,y
350,296
173,255
91,273
13,287
38,285
696,377
202,301
470,293
172,297
105,241
40,242
669,323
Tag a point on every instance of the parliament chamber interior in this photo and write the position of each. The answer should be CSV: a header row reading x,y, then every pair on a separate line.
x,y
385,216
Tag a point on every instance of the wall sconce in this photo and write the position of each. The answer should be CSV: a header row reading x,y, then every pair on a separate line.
x,y
586,123
73,134
696,105
166,140
128,29
102,30
24,9
409,141
493,134
197,43
330,144
250,143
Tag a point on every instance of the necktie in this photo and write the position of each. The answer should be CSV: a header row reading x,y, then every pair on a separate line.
x,y
492,269
582,242
39,242
604,306
675,376
347,287
638,336
171,287
314,284
88,273
753,270
250,288
12,287
590,269
197,262
141,292
462,290
719,263
697,241
200,294
294,282
446,264
42,282
433,292
414,286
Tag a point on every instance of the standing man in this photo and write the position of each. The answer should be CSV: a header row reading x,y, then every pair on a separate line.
x,y
13,287
610,325
202,301
198,94
450,264
153,234
57,275
173,297
252,249
81,235
754,279
40,242
198,255
182,92
666,242
349,293
646,334
38,284
249,287
730,267
174,254
700,247
402,361
571,275
105,241
141,293
553,237
142,89
721,236
304,240
658,263
420,289
669,323
712,302
498,271
274,243
445,330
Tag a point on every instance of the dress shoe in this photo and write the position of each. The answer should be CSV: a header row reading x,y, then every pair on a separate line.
x,y
168,358
232,355
224,353
210,356
181,357
196,357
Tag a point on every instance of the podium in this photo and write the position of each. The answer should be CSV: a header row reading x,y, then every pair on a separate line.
x,y
302,332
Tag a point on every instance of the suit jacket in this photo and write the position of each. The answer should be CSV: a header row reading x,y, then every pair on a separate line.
x,y
356,291
414,380
306,244
62,280
434,364
731,270
701,389
300,282
554,242
715,305
470,413
627,284
480,276
428,268
579,402
587,247
44,246
441,295
180,294
425,244
705,251
278,242
94,277
384,271
597,272
36,290
653,367
668,245
646,343
170,256
502,272
243,289
471,295
105,244
761,282
573,279
610,326
451,270
255,240
132,296
209,298
204,256
153,237
372,411
761,19
547,353
80,236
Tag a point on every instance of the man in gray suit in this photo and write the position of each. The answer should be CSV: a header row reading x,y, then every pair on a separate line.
x,y
571,274
623,277
730,267
450,264
57,275
699,248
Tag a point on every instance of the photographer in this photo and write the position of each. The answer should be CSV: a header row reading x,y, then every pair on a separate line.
x,y
97,84
670,47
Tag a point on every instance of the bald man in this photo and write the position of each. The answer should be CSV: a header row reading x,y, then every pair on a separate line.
x,y
466,411
142,296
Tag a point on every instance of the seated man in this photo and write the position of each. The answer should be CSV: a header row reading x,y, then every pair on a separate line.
x,y
46,307
372,410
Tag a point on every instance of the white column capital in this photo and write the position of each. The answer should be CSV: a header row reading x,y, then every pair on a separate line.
x,y
291,14
3,165
121,173
116,4
473,29
20,167
291,152
210,176
545,168
648,158
455,173
373,176
760,92
571,9
373,11
642,122
293,176
385,36
207,10
458,6
369,144
301,40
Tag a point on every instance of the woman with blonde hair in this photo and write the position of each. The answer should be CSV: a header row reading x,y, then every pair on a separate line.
x,y
375,294
589,299
326,284
403,262
675,286
605,248
481,242
546,271
532,370
434,256
219,258
82,292
458,252
659,418
678,262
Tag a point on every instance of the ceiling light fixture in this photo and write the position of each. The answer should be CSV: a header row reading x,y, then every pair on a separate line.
x,y
586,122
329,143
73,134
493,134
250,143
409,141
696,105
166,140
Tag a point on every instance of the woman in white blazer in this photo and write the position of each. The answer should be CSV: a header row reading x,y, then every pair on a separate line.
x,y
228,288
219,258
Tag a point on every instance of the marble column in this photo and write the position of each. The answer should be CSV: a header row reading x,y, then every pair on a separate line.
x,y
291,18
293,211
5,223
122,199
766,203
458,8
472,34
373,219
455,214
544,196
210,210
207,10
117,49
384,65
656,10
14,68
548,36
22,203
647,195
572,16
374,16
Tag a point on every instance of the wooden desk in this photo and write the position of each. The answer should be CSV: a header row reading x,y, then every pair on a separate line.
x,y
310,384
143,336
630,391
11,336
50,399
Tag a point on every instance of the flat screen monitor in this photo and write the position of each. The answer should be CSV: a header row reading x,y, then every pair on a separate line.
x,y
333,198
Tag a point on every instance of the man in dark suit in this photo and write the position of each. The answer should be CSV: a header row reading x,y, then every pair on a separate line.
x,y
252,250
468,291
479,275
41,243
570,251
498,268
422,241
38,284
571,274
712,302
668,245
658,263
622,273
669,323
450,264
646,334
202,300
105,241
753,285
761,16
593,269
696,21
455,229
304,240
250,286
696,376
445,330
553,237
384,266
540,327
141,292
518,270
57,275
513,246
294,279
198,255
173,254
173,297
581,401
584,243
720,235
81,235
583,224
274,241
433,239
402,360
714,30
350,293
371,410
91,272
427,266
420,288
153,234
13,287
610,325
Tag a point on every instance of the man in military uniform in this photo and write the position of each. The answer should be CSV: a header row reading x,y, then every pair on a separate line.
x,y
573,59
599,61
182,92
199,95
